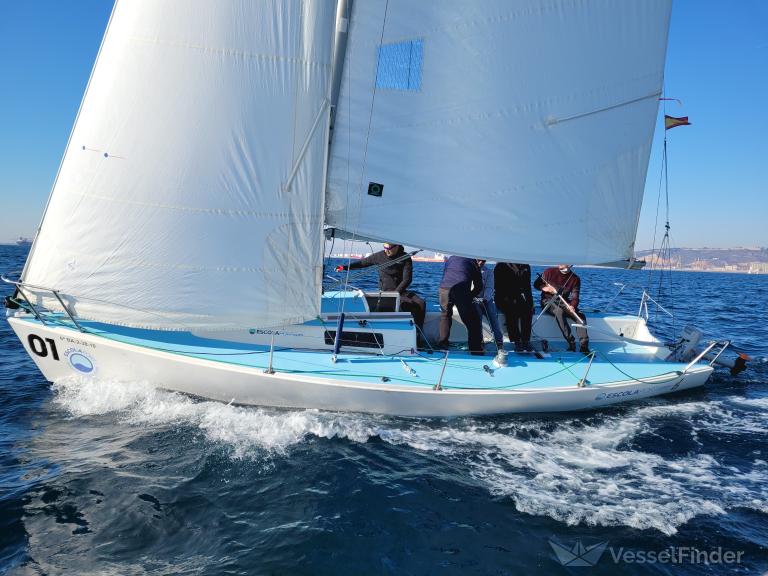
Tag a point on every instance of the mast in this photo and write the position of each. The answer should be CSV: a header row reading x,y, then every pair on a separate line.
x,y
343,14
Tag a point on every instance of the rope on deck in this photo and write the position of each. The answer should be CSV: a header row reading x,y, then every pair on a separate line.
x,y
640,380
579,361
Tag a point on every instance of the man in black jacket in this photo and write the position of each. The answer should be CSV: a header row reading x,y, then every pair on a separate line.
x,y
395,275
515,299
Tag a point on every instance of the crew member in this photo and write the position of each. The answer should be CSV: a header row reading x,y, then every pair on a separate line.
x,y
515,299
560,288
395,275
460,284
486,306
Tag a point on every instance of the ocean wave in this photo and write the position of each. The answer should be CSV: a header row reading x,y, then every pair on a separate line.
x,y
576,470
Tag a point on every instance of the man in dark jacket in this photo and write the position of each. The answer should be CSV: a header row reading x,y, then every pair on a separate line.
x,y
460,284
515,299
395,275
562,281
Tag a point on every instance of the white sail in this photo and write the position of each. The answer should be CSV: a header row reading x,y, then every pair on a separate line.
x,y
515,130
191,191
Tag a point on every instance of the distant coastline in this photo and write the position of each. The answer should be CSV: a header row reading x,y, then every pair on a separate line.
x,y
729,260
726,260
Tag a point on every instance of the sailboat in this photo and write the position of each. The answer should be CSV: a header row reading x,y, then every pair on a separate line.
x,y
182,243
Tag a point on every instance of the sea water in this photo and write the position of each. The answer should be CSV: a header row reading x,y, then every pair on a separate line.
x,y
107,477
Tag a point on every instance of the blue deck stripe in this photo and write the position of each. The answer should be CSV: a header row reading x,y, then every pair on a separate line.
x,y
464,371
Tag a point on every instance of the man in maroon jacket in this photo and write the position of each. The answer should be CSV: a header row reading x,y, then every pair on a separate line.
x,y
562,281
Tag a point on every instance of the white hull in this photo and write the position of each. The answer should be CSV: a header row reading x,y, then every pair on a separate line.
x,y
251,386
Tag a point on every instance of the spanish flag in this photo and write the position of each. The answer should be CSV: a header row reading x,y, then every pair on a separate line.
x,y
672,122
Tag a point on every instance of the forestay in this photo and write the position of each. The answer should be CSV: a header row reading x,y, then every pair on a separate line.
x,y
190,193
515,131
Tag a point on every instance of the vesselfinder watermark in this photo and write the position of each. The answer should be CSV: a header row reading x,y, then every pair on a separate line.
x,y
580,554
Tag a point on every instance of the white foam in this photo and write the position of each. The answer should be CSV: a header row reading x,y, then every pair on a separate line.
x,y
760,403
581,473
579,470
86,397
249,431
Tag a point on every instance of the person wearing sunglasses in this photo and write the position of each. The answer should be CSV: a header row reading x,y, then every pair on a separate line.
x,y
395,275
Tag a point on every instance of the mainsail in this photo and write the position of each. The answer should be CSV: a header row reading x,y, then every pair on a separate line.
x,y
191,190
512,130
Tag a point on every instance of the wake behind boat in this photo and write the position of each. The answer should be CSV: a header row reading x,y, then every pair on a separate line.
x,y
182,242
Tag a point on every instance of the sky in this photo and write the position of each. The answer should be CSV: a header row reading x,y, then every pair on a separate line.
x,y
717,65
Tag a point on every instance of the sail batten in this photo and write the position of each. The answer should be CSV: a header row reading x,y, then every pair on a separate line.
x,y
170,211
525,137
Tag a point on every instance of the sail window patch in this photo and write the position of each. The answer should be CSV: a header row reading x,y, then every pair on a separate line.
x,y
399,66
375,189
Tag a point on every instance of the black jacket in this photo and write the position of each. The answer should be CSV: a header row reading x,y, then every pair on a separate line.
x,y
513,284
393,277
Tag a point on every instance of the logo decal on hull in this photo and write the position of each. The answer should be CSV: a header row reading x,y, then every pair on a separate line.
x,y
622,394
80,361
